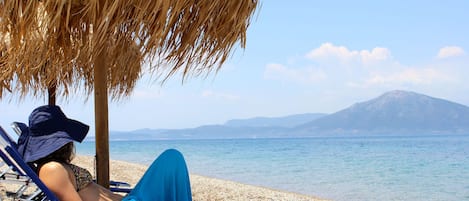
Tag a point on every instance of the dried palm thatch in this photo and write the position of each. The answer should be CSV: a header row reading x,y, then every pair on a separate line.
x,y
46,43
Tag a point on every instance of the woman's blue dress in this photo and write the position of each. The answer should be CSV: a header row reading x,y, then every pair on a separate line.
x,y
167,179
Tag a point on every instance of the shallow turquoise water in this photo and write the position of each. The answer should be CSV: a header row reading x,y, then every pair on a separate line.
x,y
343,169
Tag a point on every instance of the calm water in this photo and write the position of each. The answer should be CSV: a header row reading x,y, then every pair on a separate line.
x,y
342,169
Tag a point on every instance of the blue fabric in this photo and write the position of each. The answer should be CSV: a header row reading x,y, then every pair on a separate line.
x,y
166,179
49,130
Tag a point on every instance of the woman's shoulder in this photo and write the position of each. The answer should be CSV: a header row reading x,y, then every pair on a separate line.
x,y
52,166
53,174
53,170
56,176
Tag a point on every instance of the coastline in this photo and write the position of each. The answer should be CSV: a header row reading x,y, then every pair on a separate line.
x,y
203,188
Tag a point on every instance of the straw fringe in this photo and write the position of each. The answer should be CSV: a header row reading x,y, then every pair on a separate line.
x,y
47,42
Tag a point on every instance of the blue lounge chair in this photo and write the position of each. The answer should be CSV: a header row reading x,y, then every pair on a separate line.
x,y
20,128
14,161
18,172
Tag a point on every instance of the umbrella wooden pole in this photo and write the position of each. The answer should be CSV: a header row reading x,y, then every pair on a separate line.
x,y
51,94
51,90
101,121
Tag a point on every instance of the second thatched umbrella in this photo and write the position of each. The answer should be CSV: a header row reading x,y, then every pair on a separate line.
x,y
100,46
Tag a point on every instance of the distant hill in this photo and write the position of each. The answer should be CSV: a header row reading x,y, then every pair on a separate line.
x,y
287,121
238,128
224,132
396,112
393,113
140,134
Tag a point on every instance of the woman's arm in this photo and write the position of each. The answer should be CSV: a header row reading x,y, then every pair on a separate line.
x,y
55,176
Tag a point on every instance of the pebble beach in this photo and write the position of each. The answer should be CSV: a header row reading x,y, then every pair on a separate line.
x,y
203,188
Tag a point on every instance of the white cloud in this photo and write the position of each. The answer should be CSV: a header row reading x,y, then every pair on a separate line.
x,y
411,76
450,51
330,52
219,95
330,66
304,75
376,55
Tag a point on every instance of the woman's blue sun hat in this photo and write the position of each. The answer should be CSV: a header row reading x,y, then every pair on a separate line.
x,y
49,130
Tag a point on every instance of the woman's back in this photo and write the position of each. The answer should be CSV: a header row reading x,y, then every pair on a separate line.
x,y
62,180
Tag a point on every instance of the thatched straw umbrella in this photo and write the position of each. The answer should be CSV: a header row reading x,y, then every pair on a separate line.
x,y
78,46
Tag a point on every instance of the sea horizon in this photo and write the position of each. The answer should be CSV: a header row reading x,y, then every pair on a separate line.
x,y
432,167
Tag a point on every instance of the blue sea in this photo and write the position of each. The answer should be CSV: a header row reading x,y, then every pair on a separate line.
x,y
337,168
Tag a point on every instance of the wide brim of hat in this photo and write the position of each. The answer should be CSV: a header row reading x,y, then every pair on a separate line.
x,y
38,147
76,130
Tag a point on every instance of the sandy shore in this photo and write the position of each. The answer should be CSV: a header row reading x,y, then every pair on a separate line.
x,y
203,188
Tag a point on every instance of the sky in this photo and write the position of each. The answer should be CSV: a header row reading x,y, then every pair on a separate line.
x,y
302,57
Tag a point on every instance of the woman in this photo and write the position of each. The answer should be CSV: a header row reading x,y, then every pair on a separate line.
x,y
48,148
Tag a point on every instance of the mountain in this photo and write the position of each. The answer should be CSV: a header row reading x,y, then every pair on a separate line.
x,y
396,112
238,128
393,113
140,134
287,121
227,132
202,132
